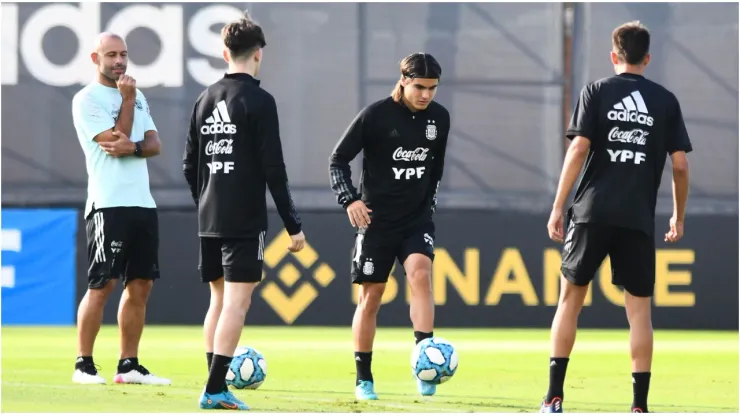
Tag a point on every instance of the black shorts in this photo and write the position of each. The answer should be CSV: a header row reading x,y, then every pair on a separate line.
x,y
235,259
631,252
375,252
122,242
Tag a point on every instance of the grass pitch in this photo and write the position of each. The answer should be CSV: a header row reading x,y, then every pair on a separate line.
x,y
312,370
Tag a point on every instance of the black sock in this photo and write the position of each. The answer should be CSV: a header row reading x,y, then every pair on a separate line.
x,y
557,378
363,360
640,388
421,336
83,362
127,364
217,374
209,358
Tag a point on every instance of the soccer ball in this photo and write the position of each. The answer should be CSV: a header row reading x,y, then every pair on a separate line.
x,y
248,369
434,360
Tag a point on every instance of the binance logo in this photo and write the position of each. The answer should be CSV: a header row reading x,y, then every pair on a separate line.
x,y
290,307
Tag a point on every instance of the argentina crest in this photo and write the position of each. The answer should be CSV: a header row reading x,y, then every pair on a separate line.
x,y
431,130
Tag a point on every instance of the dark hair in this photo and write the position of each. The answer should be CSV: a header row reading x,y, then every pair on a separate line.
x,y
243,37
631,42
416,65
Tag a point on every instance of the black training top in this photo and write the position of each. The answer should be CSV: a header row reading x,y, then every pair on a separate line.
x,y
403,161
233,152
633,124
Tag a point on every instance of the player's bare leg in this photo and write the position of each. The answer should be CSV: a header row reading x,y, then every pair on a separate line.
x,y
132,316
211,320
641,347
89,319
364,324
237,299
562,339
419,276
131,319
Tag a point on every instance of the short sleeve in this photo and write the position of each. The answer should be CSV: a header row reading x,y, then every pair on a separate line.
x,y
150,126
583,121
90,118
678,137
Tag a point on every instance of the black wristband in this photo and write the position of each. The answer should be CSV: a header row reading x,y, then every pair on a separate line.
x,y
138,150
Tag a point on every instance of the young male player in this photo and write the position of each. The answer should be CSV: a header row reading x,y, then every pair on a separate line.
x,y
623,127
233,152
404,139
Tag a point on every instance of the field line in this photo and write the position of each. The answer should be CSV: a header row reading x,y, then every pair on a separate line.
x,y
500,346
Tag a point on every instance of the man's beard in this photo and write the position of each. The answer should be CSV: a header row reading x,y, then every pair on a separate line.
x,y
112,75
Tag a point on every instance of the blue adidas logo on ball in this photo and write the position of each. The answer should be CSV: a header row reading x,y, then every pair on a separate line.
x,y
434,360
248,369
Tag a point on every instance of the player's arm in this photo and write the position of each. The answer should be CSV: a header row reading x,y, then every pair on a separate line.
x,y
151,145
678,145
439,166
273,165
125,121
123,146
346,149
92,120
190,157
580,131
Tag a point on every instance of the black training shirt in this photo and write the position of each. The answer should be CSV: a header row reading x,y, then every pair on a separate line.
x,y
633,124
233,152
403,162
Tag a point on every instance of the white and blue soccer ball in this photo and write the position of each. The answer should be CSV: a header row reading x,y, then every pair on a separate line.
x,y
434,360
248,369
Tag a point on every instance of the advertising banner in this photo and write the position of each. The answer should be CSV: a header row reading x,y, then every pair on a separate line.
x,y
492,269
38,266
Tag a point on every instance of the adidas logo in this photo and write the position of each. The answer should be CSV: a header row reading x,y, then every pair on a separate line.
x,y
219,121
632,108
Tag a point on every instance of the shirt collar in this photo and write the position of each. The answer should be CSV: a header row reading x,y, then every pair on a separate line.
x,y
242,76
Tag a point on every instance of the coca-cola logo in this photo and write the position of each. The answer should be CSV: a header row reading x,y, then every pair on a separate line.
x,y
417,155
636,136
220,147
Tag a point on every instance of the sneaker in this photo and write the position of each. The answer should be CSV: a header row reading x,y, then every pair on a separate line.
x,y
426,389
555,406
140,375
88,375
365,391
222,401
637,410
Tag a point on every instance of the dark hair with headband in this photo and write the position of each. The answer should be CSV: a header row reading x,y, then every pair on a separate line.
x,y
416,65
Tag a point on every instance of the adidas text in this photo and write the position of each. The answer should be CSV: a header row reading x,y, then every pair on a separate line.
x,y
223,128
633,116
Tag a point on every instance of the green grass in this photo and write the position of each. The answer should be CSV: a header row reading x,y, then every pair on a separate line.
x,y
312,370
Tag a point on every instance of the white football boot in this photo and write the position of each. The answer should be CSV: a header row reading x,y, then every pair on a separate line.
x,y
140,375
88,375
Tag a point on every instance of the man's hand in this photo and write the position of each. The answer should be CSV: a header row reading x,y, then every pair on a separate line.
x,y
676,231
127,87
123,146
298,241
359,214
555,225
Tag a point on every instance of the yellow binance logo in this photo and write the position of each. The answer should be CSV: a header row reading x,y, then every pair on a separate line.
x,y
290,307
